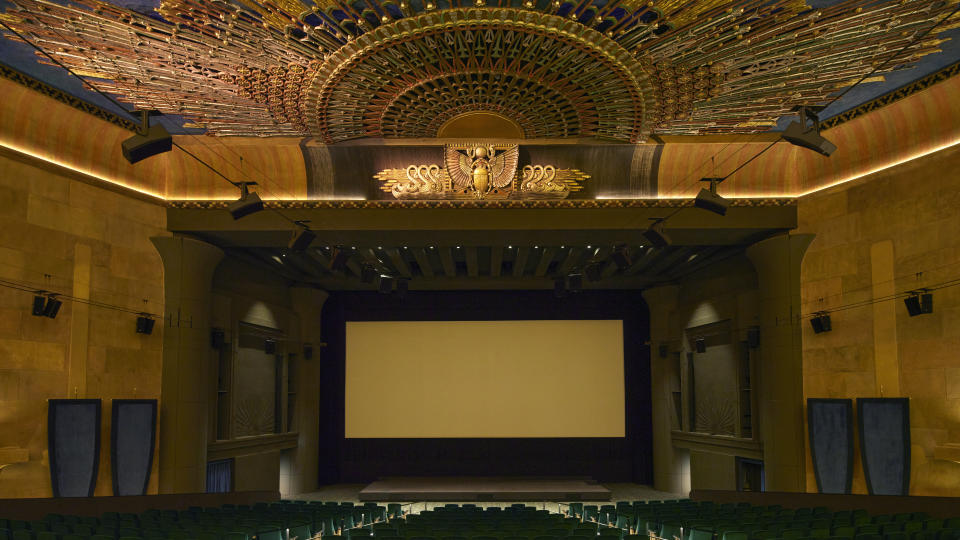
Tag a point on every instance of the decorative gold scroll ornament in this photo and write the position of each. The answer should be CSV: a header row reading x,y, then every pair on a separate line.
x,y
481,171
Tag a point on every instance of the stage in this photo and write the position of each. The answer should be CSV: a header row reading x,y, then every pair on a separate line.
x,y
464,489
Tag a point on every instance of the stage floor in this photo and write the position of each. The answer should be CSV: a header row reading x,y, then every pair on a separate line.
x,y
483,489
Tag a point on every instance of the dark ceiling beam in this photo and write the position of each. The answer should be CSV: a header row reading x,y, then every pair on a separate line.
x,y
459,226
520,263
496,261
546,257
473,269
398,262
446,260
423,261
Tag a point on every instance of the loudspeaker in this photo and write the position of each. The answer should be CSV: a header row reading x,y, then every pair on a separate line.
x,y
52,308
700,344
753,337
821,324
216,338
386,284
270,346
919,304
656,236
38,303
156,141
575,282
144,325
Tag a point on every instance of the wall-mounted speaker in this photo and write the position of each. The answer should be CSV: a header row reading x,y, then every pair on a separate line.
x,y
700,344
270,346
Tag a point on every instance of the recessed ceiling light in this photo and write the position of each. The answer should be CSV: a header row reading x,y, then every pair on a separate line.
x,y
588,247
509,247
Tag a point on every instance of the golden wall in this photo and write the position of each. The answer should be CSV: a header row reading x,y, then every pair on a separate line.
x,y
62,235
891,232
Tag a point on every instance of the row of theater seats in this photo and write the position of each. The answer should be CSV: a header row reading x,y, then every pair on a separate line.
x,y
283,520
704,520
639,520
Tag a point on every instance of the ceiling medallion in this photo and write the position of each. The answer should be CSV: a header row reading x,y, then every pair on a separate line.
x,y
480,170
349,69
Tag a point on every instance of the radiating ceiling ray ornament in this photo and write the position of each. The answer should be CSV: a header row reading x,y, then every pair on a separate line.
x,y
480,170
346,69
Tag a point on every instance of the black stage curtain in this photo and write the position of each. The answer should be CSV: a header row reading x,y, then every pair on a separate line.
x,y
627,459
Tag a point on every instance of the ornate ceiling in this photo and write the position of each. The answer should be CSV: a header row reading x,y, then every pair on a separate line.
x,y
346,69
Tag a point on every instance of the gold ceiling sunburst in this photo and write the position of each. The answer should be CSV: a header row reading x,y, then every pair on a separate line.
x,y
347,69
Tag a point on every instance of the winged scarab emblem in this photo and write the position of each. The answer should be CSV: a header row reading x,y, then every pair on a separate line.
x,y
481,168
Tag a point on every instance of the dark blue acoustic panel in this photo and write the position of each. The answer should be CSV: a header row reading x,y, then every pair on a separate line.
x,y
132,437
830,423
885,444
73,435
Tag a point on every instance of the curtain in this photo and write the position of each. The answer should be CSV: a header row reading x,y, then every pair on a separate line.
x,y
220,476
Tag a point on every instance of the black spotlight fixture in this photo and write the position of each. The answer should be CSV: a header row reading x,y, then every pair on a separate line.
x,y
403,285
808,136
39,301
621,257
149,140
339,258
386,284
708,199
144,324
559,287
655,235
302,237
594,271
700,345
248,203
368,274
821,322
52,307
919,302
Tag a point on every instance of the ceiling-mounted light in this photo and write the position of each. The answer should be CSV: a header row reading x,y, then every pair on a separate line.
x,y
302,237
248,203
149,140
655,235
800,134
708,199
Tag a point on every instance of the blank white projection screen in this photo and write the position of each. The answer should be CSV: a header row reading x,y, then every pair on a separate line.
x,y
484,379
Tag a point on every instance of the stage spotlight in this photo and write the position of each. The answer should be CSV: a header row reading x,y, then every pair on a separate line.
x,y
248,203
821,323
368,274
708,199
800,134
339,259
52,307
700,344
655,235
621,257
386,284
144,324
149,140
918,304
575,282
38,302
594,271
403,285
301,239
559,287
